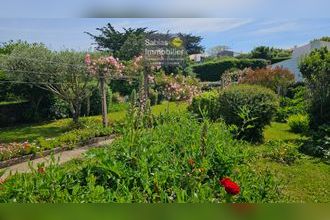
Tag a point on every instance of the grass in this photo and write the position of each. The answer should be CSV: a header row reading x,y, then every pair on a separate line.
x,y
307,180
12,102
55,128
279,131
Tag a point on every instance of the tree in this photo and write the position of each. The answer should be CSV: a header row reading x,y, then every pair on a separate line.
x,y
62,73
325,38
192,43
12,91
130,43
269,53
124,45
315,68
103,68
262,52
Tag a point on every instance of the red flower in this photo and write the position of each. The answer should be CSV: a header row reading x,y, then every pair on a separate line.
x,y
230,186
223,181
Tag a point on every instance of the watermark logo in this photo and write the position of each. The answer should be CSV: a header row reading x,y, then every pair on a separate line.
x,y
176,42
164,50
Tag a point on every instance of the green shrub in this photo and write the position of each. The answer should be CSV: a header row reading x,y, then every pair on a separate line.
x,y
96,102
160,165
212,70
281,152
299,123
206,102
154,97
248,108
319,143
296,102
315,68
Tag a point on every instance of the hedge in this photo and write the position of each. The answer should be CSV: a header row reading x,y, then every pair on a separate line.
x,y
279,59
212,70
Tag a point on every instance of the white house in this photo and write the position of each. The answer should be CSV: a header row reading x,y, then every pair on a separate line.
x,y
197,57
297,54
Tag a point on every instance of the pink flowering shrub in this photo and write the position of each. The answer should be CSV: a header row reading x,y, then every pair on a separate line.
x,y
176,88
104,66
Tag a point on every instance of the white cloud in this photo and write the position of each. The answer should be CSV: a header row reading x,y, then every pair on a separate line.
x,y
187,25
275,27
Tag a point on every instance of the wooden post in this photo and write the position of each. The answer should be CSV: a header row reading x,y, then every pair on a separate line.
x,y
104,102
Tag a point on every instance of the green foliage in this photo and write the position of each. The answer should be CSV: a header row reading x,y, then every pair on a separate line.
x,y
96,103
278,59
129,43
67,76
163,164
76,136
281,152
212,70
124,45
249,109
154,97
315,68
124,87
59,109
206,102
270,53
319,144
296,102
192,43
324,38
73,138
299,123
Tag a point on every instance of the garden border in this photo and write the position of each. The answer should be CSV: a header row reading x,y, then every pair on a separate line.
x,y
88,143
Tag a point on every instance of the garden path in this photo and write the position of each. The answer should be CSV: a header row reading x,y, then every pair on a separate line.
x,y
61,157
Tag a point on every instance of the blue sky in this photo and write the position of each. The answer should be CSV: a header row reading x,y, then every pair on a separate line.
x,y
241,34
239,24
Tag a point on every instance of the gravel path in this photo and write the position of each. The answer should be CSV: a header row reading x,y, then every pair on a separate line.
x,y
61,157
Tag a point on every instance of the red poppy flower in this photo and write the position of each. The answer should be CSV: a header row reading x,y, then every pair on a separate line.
x,y
230,186
223,181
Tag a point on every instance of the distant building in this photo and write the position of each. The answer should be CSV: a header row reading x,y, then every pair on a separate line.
x,y
199,57
225,53
297,54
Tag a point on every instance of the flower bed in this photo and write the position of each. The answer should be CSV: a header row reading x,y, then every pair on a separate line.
x,y
68,140
179,160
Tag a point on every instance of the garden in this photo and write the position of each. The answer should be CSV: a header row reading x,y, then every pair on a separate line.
x,y
260,137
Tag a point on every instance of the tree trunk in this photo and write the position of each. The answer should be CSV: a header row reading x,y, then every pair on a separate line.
x,y
36,108
104,102
75,110
146,82
88,105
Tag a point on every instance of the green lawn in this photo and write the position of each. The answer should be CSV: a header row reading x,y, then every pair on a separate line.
x,y
55,128
279,131
307,180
